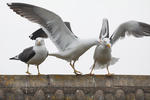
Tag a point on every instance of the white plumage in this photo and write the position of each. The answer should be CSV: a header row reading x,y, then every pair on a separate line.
x,y
34,55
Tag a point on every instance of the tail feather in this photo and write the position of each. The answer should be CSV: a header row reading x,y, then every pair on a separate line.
x,y
113,60
102,66
98,66
14,58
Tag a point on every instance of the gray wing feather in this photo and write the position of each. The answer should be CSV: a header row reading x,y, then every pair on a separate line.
x,y
41,33
104,30
27,54
51,23
137,29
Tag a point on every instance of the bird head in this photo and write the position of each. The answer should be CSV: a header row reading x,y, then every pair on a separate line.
x,y
106,42
39,41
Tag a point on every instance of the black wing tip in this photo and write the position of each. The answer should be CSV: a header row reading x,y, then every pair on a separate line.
x,y
18,4
38,33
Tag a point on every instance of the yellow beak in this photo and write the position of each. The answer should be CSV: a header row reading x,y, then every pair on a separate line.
x,y
108,45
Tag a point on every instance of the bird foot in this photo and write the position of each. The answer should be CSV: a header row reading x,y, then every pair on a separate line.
x,y
28,73
40,74
109,74
77,72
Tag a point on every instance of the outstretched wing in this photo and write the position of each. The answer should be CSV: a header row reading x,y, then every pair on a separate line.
x,y
137,29
51,23
104,30
41,33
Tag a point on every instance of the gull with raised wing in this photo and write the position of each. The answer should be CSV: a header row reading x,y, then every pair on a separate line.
x,y
102,55
70,46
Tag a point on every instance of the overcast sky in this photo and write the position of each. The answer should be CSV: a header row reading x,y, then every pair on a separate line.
x,y
85,17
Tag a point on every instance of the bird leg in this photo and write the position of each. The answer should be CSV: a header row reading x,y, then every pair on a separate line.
x,y
78,72
109,74
38,70
28,70
92,68
75,71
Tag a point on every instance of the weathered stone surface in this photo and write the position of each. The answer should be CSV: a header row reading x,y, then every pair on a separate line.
x,y
59,95
2,97
120,95
109,96
99,95
10,96
147,96
79,95
71,87
39,95
18,94
139,94
131,96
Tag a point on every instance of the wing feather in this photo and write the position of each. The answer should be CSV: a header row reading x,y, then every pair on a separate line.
x,y
137,29
104,30
51,23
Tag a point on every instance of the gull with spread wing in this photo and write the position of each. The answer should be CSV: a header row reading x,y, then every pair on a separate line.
x,y
102,55
70,46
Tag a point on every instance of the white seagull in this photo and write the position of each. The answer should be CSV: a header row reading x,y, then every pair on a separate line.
x,y
102,56
34,55
70,46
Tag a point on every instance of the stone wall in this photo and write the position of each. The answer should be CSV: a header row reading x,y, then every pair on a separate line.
x,y
70,87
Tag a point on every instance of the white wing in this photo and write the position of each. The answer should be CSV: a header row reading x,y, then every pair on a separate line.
x,y
51,23
137,29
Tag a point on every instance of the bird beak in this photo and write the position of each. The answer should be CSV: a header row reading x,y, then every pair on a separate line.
x,y
108,45
38,43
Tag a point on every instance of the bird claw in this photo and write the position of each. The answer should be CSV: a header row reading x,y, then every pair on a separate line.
x,y
77,72
40,74
28,73
109,74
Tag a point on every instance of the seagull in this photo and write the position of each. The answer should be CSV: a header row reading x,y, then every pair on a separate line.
x,y
69,46
102,55
42,34
34,55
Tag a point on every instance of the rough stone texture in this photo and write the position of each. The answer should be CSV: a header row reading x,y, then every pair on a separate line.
x,y
79,95
120,95
99,95
18,94
39,95
109,96
131,96
139,94
71,87
2,97
59,95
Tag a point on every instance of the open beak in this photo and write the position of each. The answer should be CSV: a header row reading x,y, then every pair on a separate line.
x,y
108,45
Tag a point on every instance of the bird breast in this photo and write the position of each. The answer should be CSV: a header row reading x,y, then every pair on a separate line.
x,y
41,54
102,55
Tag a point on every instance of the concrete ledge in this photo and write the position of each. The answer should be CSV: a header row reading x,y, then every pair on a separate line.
x,y
70,87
